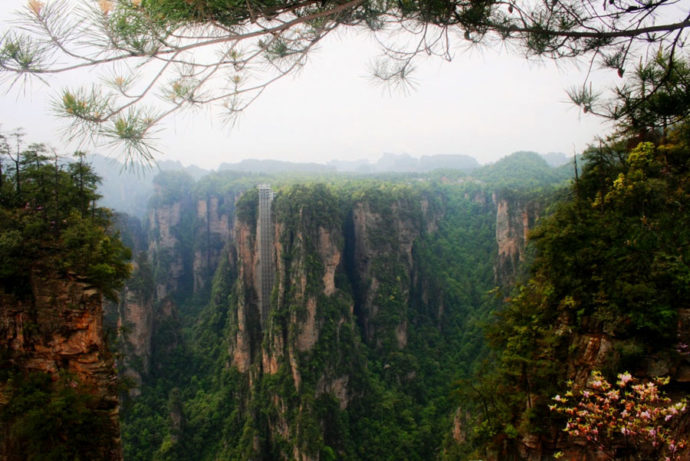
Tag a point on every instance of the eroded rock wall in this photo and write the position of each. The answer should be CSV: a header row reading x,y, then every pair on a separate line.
x,y
322,306
135,314
164,247
59,331
514,219
214,218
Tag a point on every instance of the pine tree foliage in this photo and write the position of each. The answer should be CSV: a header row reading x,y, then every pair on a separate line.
x,y
226,52
50,222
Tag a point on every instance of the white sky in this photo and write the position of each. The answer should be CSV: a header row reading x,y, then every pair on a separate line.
x,y
485,103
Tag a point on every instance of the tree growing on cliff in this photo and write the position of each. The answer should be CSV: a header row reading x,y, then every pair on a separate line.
x,y
225,52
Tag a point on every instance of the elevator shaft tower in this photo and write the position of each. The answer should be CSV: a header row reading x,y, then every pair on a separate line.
x,y
265,235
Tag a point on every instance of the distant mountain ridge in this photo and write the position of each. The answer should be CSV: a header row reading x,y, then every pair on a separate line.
x,y
388,163
275,166
405,163
129,191
523,168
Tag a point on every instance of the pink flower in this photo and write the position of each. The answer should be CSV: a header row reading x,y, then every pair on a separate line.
x,y
634,411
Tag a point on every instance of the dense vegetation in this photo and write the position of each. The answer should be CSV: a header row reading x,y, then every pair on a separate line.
x,y
49,221
400,335
609,263
49,419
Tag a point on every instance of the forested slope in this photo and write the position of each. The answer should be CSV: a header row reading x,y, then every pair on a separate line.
x,y
607,292
606,302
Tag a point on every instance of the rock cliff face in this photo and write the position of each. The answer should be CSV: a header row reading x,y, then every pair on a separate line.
x,y
514,218
392,236
185,240
349,285
135,324
308,314
247,337
59,332
132,316
341,278
213,230
182,250
164,247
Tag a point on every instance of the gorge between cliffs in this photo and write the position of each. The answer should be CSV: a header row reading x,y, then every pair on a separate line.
x,y
379,295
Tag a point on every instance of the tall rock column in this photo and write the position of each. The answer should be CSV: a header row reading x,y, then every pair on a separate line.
x,y
514,219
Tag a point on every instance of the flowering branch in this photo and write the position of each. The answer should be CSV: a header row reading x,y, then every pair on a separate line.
x,y
631,420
